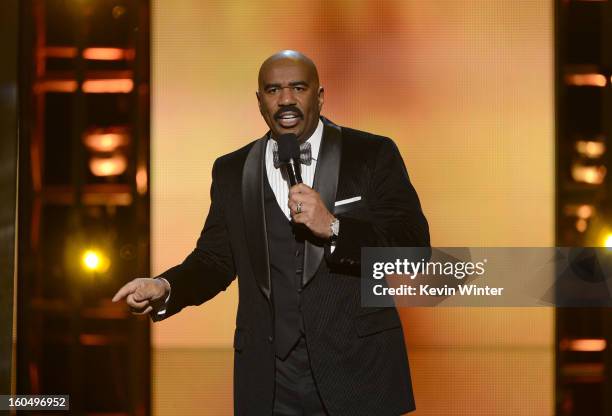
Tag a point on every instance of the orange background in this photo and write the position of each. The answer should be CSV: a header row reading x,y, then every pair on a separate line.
x,y
464,87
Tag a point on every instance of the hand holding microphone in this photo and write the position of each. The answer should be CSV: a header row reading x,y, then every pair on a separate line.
x,y
305,203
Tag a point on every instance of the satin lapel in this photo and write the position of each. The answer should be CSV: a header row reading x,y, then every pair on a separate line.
x,y
254,214
326,183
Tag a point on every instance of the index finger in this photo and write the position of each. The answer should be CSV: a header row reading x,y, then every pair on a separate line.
x,y
124,291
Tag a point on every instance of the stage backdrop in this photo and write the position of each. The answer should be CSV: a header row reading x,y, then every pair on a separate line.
x,y
465,88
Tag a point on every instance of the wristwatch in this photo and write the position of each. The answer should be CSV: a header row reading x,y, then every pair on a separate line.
x,y
335,229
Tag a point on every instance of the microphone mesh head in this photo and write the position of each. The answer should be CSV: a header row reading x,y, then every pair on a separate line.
x,y
288,148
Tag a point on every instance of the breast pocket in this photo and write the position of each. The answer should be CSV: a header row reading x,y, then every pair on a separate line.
x,y
348,205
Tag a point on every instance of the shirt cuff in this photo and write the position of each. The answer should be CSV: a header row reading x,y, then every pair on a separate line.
x,y
162,309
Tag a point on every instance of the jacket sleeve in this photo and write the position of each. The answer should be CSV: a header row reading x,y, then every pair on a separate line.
x,y
396,218
209,269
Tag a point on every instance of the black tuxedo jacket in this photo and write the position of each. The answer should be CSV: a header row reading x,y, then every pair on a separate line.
x,y
358,357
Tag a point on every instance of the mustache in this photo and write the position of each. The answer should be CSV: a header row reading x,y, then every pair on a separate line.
x,y
290,109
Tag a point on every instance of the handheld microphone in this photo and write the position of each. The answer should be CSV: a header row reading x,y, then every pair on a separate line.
x,y
289,157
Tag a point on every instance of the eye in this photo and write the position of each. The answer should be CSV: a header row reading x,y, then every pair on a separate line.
x,y
272,90
298,88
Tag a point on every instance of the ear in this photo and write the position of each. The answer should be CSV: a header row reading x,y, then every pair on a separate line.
x,y
258,100
321,94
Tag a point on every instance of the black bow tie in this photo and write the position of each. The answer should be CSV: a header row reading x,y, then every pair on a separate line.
x,y
305,154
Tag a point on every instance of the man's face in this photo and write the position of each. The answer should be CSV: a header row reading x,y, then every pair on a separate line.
x,y
290,99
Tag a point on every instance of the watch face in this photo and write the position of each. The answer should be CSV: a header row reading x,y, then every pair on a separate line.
x,y
335,227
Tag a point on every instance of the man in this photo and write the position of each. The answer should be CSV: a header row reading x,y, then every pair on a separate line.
x,y
303,344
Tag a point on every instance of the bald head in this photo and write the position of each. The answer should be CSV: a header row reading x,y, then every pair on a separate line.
x,y
289,57
289,95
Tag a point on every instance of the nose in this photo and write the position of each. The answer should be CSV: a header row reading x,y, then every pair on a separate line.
x,y
286,97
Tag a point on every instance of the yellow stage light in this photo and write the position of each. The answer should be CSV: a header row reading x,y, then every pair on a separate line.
x,y
94,261
91,260
608,241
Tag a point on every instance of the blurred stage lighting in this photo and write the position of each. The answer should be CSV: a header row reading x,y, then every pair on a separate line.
x,y
590,148
583,211
108,166
608,240
107,54
108,86
586,80
581,225
593,175
106,140
141,180
95,261
584,345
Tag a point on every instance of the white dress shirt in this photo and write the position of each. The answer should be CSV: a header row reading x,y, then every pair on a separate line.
x,y
277,177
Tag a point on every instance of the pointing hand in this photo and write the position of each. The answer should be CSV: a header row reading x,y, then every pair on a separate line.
x,y
141,294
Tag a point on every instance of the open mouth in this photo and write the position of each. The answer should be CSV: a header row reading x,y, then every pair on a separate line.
x,y
288,119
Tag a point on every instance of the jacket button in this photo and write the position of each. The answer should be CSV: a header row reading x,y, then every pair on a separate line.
x,y
270,339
